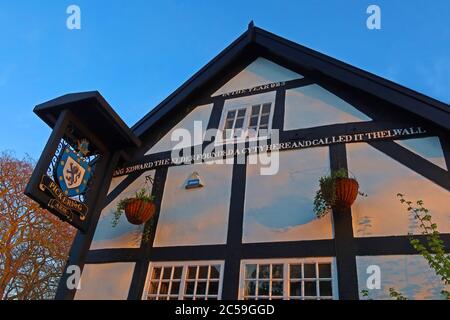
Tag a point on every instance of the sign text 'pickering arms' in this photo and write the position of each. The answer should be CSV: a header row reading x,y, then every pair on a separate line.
x,y
300,144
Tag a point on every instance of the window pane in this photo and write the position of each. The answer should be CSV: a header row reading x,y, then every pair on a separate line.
x,y
229,124
310,270
192,271
153,287
250,271
255,110
215,272
310,288
325,288
190,285
241,113
277,288
201,287
253,122
250,288
156,273
175,289
264,271
203,272
167,272
296,271
266,108
164,289
231,114
277,271
177,272
264,120
296,288
239,123
263,288
325,270
213,287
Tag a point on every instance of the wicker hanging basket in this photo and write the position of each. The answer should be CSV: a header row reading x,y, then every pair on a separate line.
x,y
346,192
139,211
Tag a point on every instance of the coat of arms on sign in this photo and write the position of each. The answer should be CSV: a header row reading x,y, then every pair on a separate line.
x,y
194,181
73,171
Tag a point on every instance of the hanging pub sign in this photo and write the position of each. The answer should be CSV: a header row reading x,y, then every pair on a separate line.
x,y
71,177
66,175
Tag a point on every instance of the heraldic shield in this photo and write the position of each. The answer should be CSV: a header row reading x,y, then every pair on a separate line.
x,y
73,173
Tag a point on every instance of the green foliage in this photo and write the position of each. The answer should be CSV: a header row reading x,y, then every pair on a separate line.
x,y
140,195
365,293
432,249
325,197
396,295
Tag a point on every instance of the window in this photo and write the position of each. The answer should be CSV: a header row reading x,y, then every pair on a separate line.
x,y
251,121
259,119
185,281
303,279
234,123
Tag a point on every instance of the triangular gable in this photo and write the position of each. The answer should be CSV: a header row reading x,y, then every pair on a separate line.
x,y
257,42
259,72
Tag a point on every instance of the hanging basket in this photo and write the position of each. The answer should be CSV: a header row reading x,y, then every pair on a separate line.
x,y
139,211
346,192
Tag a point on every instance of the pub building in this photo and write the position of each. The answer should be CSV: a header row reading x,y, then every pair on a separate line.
x,y
212,230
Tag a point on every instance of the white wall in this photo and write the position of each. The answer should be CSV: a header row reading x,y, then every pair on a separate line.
x,y
313,106
200,113
196,216
382,178
280,207
259,72
109,281
124,235
408,274
429,148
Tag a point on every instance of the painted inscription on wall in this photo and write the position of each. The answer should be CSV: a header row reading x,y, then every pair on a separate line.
x,y
300,144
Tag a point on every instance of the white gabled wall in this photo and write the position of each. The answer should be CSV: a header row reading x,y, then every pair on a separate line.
x,y
200,113
110,281
313,106
382,178
259,72
280,207
124,235
407,274
428,148
196,216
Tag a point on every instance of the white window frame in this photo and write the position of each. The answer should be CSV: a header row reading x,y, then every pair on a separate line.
x,y
185,265
286,274
245,127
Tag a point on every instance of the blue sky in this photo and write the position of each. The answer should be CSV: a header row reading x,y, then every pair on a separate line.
x,y
137,52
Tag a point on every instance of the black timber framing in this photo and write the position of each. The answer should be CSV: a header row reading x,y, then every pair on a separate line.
x,y
344,247
235,228
141,266
321,68
343,236
82,242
